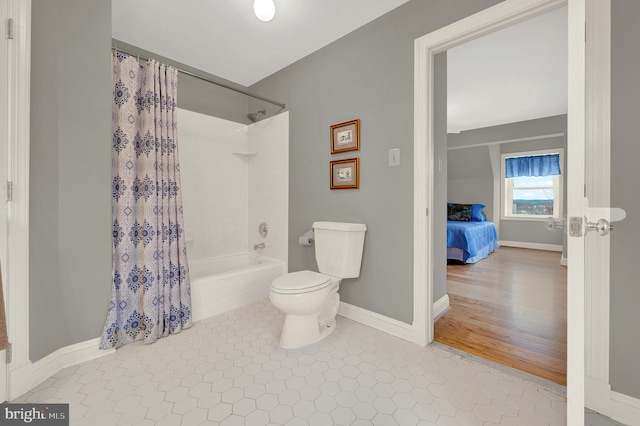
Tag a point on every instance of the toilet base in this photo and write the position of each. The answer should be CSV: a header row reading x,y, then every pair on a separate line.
x,y
302,330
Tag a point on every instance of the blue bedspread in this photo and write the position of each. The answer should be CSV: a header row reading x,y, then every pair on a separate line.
x,y
471,237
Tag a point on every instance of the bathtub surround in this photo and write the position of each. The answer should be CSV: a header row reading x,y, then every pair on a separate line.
x,y
234,177
214,185
269,186
151,292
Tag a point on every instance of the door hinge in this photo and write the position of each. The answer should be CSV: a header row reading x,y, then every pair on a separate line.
x,y
9,191
10,29
427,212
9,353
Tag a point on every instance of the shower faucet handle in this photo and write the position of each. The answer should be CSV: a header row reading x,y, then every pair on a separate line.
x,y
259,246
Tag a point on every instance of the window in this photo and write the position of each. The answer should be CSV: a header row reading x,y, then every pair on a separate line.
x,y
535,190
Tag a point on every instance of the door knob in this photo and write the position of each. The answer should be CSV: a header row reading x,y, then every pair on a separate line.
x,y
602,227
552,225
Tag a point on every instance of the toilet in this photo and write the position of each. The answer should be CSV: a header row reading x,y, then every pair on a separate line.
x,y
310,300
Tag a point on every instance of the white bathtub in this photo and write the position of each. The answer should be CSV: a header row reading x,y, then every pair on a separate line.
x,y
224,283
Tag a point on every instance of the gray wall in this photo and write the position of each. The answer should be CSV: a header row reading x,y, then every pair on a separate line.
x,y
625,175
70,173
470,178
197,95
367,74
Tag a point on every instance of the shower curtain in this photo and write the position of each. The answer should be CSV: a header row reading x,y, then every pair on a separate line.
x,y
151,295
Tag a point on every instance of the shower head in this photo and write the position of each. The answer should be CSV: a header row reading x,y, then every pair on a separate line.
x,y
256,116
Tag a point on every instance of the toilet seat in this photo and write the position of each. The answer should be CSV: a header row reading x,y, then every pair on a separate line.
x,y
300,282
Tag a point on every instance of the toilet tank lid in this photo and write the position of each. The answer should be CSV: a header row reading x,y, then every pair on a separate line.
x,y
340,226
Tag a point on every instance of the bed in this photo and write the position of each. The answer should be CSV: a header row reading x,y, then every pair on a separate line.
x,y
471,237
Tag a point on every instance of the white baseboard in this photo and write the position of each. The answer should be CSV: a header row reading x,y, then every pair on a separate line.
x,y
440,306
65,357
533,246
624,408
19,381
600,398
377,321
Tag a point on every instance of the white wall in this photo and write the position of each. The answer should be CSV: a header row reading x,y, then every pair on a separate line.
x,y
234,176
214,184
269,185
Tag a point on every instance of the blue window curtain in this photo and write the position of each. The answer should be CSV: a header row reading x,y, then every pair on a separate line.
x,y
533,165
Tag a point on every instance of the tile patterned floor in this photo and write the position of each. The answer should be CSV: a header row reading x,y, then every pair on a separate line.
x,y
229,370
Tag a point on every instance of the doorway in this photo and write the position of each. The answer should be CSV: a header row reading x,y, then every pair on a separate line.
x,y
506,98
492,19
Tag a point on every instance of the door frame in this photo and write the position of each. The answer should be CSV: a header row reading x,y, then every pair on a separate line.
x,y
4,136
17,262
489,20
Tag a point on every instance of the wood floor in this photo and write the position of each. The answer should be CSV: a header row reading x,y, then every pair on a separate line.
x,y
510,308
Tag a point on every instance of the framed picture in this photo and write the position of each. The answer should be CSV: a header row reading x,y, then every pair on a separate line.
x,y
345,136
345,174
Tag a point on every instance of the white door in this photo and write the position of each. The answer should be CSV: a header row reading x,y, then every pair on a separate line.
x,y
4,136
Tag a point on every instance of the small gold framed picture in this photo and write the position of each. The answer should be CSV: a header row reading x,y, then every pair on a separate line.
x,y
345,136
345,174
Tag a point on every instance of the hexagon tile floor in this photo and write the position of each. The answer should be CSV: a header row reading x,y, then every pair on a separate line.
x,y
229,370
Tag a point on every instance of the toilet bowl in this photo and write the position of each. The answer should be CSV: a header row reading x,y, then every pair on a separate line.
x,y
310,303
309,299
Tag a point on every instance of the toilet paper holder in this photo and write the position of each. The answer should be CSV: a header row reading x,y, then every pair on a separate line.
x,y
306,239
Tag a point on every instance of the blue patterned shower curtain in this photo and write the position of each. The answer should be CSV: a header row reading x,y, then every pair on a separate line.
x,y
151,294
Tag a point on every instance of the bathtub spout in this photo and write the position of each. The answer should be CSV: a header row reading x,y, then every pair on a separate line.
x,y
258,246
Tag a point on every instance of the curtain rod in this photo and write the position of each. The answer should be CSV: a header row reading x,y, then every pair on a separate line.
x,y
281,105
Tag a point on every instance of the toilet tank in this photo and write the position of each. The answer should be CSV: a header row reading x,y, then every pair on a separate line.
x,y
339,248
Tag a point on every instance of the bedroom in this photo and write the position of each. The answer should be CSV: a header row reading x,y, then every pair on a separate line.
x,y
507,305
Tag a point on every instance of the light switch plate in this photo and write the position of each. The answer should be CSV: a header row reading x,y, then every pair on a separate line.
x,y
394,157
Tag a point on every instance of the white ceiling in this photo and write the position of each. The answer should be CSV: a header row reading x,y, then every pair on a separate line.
x,y
224,37
516,74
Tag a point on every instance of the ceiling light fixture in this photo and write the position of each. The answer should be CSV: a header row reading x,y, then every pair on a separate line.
x,y
264,9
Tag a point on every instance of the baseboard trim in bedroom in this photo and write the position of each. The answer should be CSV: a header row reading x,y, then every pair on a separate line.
x,y
532,246
377,321
65,357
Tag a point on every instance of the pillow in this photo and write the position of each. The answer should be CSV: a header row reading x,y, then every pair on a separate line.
x,y
477,215
466,212
459,212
